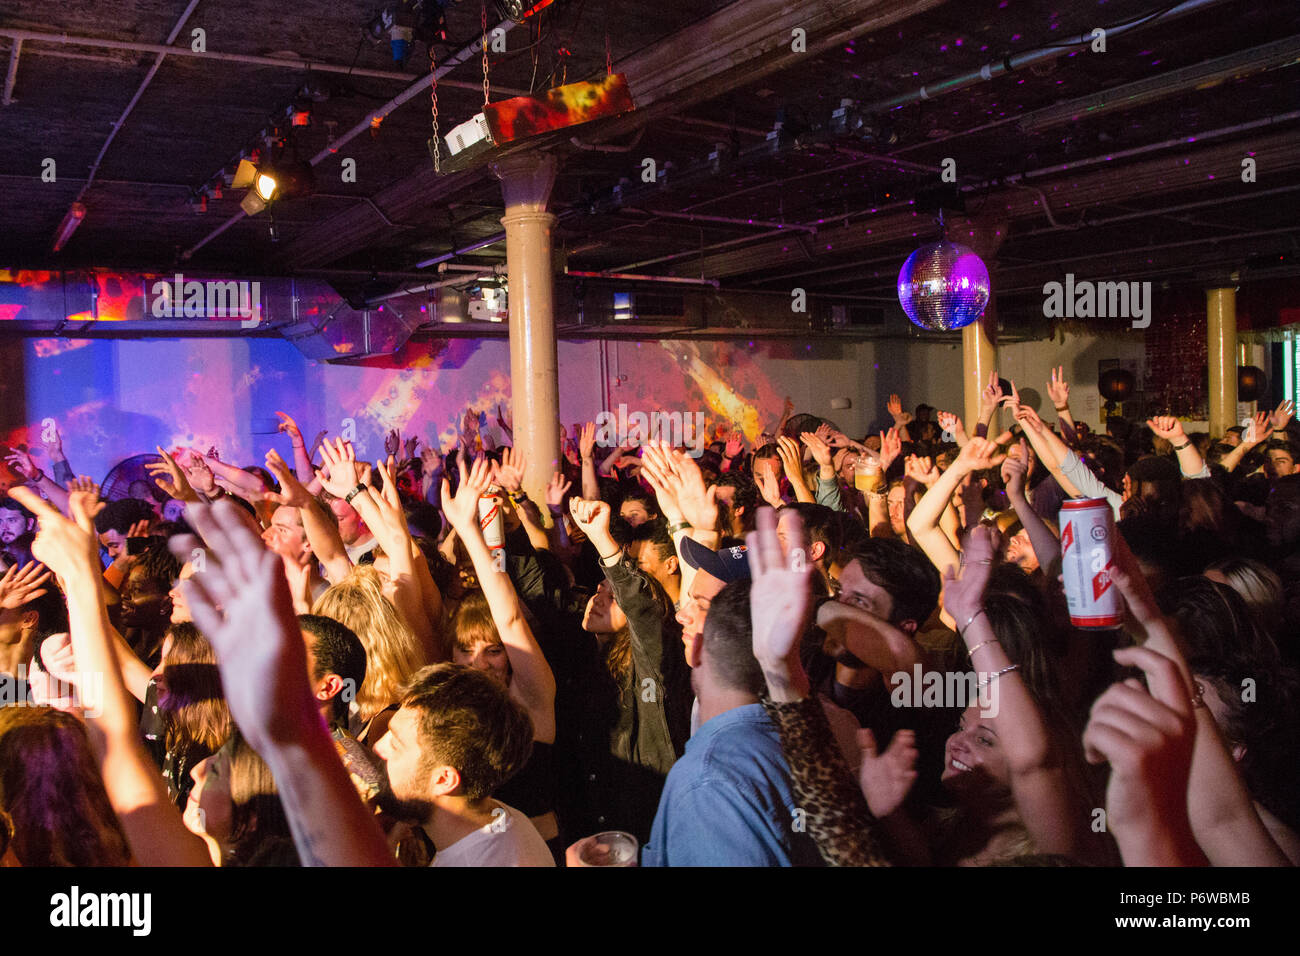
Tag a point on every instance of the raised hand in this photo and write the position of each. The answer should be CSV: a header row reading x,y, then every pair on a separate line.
x,y
292,491
54,446
1283,415
393,442
768,486
891,446
895,408
1058,389
345,472
735,445
1014,470
461,510
510,473
556,489
410,446
979,454
791,458
1167,427
587,441
24,464
920,469
290,428
198,473
1029,420
67,547
592,517
991,397
431,460
1147,735
821,451
18,586
169,477
780,603
952,426
684,483
1258,430
963,590
886,779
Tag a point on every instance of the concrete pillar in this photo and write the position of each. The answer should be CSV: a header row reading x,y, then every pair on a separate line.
x,y
979,340
526,181
1221,353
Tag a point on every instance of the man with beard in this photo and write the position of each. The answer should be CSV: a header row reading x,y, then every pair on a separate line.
x,y
16,524
457,737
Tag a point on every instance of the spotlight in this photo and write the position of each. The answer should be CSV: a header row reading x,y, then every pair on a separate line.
x,y
275,182
244,174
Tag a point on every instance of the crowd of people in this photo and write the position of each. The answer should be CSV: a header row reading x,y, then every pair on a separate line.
x,y
317,660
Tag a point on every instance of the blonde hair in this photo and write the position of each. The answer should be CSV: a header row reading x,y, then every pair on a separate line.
x,y
393,654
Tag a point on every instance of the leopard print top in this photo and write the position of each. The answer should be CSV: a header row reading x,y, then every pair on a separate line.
x,y
837,816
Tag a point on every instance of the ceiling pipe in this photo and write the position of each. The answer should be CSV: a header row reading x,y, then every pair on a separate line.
x,y
725,220
1012,63
283,63
430,286
12,76
144,85
463,250
460,56
634,277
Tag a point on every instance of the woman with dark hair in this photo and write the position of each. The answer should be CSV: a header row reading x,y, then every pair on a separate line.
x,y
1251,694
631,699
235,807
53,794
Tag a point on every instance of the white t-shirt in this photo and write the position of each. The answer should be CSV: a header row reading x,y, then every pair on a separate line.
x,y
509,840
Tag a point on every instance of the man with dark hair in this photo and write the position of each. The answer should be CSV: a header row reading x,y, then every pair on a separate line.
x,y
887,591
738,492
457,737
729,801
1281,458
336,667
17,526
821,529
651,547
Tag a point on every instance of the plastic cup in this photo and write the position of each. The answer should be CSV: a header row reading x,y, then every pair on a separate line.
x,y
611,848
866,475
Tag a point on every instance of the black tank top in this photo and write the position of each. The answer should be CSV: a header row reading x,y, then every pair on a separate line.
x,y
532,790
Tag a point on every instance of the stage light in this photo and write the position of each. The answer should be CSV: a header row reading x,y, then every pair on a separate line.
x,y
244,174
266,185
71,220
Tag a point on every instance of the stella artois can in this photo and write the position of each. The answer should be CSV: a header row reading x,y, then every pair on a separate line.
x,y
1087,558
491,519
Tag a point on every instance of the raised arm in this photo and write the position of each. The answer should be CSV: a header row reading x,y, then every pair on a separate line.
x,y
533,678
901,418
587,451
1047,548
241,602
1190,462
136,790
839,820
322,534
792,463
1049,806
1257,432
1223,816
301,457
25,465
1058,390
976,455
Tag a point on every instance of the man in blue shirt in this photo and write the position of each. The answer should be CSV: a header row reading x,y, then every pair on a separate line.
x,y
729,801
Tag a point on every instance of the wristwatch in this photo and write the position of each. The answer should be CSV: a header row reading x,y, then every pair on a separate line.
x,y
361,486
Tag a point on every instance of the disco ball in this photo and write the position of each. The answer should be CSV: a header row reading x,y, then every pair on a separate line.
x,y
943,286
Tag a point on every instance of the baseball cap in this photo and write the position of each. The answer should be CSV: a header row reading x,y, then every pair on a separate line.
x,y
727,565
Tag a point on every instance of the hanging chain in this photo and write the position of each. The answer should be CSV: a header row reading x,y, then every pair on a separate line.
x,y
433,94
485,55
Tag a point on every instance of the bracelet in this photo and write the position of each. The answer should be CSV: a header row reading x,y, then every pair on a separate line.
x,y
996,674
679,526
991,640
361,486
1062,408
971,620
607,557
518,497
1186,444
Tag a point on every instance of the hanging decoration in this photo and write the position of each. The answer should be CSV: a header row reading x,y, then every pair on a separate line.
x,y
943,286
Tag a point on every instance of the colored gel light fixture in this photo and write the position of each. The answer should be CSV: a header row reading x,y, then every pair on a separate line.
x,y
943,286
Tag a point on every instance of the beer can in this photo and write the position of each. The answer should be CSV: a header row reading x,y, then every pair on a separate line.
x,y
492,520
1087,559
